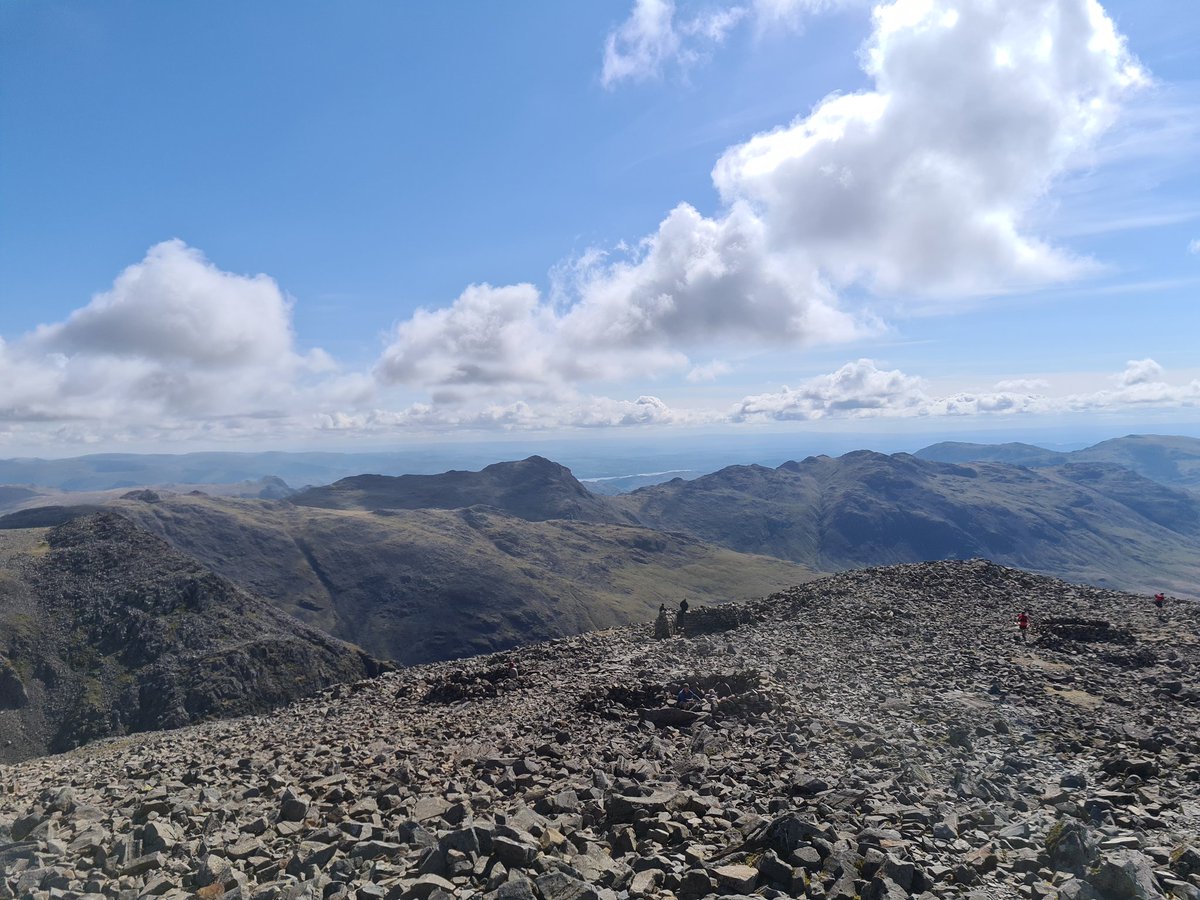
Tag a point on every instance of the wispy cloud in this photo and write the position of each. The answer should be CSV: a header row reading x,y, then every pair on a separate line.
x,y
658,37
908,191
654,39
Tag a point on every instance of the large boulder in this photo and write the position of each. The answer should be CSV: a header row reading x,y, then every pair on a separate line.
x,y
1070,846
1126,875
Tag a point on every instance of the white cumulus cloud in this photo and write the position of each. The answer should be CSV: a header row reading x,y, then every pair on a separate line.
x,y
175,305
695,282
709,371
1140,371
921,184
175,340
519,415
857,389
861,390
917,188
658,35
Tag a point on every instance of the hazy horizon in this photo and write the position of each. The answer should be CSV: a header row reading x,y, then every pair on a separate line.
x,y
590,461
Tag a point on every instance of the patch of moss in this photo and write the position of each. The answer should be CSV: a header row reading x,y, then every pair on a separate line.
x,y
92,693
1054,835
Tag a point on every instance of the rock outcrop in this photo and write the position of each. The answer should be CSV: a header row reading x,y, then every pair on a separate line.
x,y
106,630
876,734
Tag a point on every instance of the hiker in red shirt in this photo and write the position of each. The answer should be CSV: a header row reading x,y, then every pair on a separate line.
x,y
1159,600
1023,625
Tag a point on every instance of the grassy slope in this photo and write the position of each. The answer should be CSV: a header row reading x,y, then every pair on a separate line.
x,y
419,585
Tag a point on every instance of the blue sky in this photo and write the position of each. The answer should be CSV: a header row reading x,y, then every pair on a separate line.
x,y
729,217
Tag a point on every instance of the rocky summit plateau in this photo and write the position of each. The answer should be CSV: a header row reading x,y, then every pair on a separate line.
x,y
881,733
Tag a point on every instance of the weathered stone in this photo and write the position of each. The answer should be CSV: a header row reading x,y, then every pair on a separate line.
x,y
244,849
1070,845
516,888
513,853
1125,875
430,808
144,864
560,886
427,887
375,849
883,888
160,835
736,878
292,809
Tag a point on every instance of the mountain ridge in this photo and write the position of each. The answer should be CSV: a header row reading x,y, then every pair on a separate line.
x,y
1173,460
1087,521
424,584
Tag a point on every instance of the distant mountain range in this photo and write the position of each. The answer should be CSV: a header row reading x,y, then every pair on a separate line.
x,y
1093,522
1173,461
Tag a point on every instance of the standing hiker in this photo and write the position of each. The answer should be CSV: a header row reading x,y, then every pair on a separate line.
x,y
1160,600
1023,625
681,615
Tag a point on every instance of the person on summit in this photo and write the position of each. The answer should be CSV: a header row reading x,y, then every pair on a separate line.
x,y
1160,600
682,614
687,697
1023,625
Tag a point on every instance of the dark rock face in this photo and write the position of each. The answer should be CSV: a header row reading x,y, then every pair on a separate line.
x,y
12,690
127,635
885,734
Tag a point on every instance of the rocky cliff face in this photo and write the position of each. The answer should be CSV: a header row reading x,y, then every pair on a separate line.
x,y
107,630
876,734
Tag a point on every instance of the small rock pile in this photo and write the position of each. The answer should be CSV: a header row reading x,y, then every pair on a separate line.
x,y
470,684
887,735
